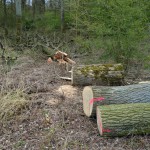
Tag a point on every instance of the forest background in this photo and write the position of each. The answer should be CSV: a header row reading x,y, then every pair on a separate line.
x,y
110,30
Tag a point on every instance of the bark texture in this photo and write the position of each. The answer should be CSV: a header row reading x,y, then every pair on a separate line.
x,y
123,119
106,95
99,74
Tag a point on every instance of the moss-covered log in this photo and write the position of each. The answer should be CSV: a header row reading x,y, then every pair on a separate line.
x,y
98,74
123,119
106,95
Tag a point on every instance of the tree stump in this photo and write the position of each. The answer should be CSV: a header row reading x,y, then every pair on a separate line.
x,y
123,119
98,74
106,95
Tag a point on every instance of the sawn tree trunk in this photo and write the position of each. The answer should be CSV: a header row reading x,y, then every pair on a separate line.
x,y
123,119
98,74
106,95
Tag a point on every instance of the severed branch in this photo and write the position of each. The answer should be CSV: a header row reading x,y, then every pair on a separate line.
x,y
66,78
56,47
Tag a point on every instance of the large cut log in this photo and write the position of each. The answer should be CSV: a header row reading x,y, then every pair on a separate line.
x,y
98,74
106,95
123,119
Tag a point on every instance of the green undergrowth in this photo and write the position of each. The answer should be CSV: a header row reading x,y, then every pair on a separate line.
x,y
12,104
49,21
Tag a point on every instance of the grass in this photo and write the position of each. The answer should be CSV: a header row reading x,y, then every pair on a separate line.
x,y
11,104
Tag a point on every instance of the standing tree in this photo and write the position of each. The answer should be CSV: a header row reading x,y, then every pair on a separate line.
x,y
18,20
62,15
38,7
5,18
23,4
42,6
33,8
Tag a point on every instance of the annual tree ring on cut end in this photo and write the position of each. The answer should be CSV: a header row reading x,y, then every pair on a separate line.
x,y
87,96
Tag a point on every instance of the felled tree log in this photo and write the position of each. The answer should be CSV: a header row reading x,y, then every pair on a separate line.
x,y
106,95
98,74
123,119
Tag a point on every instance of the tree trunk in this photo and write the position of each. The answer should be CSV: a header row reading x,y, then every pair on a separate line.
x,y
12,6
5,18
18,20
106,95
23,4
62,15
43,6
38,7
100,74
123,119
33,8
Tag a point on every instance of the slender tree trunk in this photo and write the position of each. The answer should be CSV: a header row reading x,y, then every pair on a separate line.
x,y
1,4
5,18
62,15
18,20
23,5
1,8
12,6
38,7
5,12
77,6
43,6
50,4
33,8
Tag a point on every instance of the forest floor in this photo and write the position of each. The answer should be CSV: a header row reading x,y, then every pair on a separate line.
x,y
53,117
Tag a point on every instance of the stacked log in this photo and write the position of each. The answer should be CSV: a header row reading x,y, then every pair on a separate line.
x,y
98,74
94,96
123,119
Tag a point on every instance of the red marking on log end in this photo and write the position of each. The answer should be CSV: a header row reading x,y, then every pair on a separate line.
x,y
102,130
106,130
96,99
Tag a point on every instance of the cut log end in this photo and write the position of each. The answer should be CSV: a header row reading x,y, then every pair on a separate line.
x,y
87,105
99,122
103,130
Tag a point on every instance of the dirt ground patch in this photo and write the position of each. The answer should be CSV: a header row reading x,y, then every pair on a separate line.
x,y
54,118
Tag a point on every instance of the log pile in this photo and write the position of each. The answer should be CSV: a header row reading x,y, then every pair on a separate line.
x,y
120,110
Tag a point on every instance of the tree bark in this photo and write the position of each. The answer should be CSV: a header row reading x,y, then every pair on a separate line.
x,y
38,7
18,20
23,4
12,6
106,95
43,6
123,119
33,8
62,15
99,74
5,18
